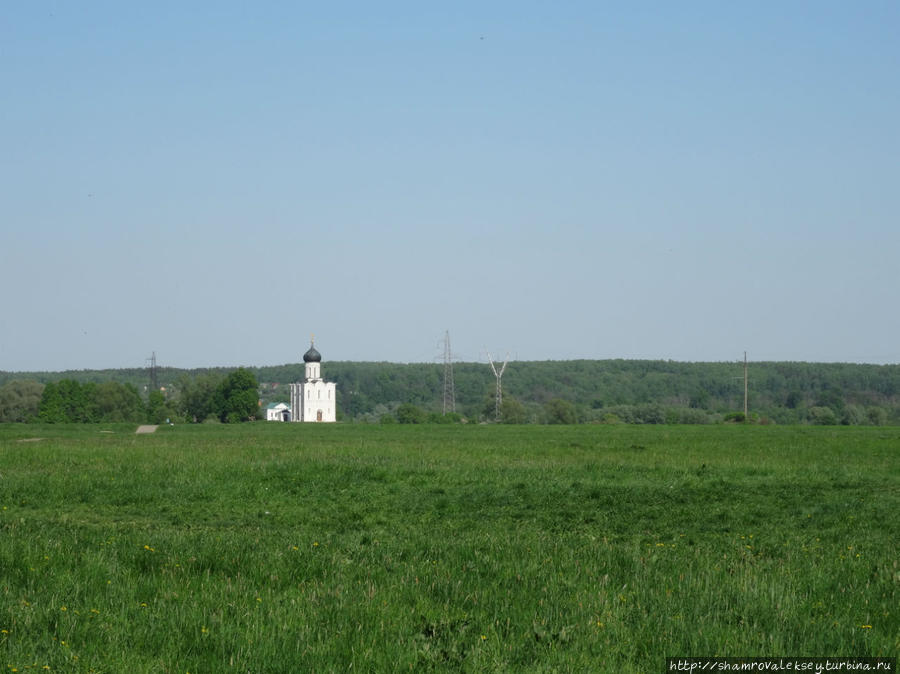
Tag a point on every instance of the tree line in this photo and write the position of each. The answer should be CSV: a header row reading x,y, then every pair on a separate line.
x,y
226,398
610,391
577,391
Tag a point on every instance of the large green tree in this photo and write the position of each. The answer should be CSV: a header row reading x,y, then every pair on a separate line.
x,y
118,402
239,397
20,400
512,411
68,401
201,397
158,408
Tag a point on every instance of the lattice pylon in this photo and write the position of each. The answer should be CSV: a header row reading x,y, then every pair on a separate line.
x,y
449,389
499,375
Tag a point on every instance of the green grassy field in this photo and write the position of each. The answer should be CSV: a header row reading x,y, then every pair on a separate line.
x,y
289,548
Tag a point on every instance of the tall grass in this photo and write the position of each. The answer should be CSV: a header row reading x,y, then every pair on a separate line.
x,y
287,548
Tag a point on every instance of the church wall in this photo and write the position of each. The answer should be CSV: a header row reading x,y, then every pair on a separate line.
x,y
307,398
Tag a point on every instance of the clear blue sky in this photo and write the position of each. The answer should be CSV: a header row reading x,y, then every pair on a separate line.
x,y
679,180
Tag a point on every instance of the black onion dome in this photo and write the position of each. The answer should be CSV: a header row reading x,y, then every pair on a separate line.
x,y
312,356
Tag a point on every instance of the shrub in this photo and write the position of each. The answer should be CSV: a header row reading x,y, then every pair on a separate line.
x,y
407,413
560,411
822,416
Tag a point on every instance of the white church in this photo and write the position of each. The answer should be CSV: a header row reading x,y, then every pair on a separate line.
x,y
313,399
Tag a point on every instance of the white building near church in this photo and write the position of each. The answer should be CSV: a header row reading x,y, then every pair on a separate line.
x,y
278,412
313,399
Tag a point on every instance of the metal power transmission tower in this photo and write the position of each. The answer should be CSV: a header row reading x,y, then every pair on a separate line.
x,y
154,384
449,389
499,376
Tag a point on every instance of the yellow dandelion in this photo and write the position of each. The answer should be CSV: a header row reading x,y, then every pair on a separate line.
x,y
203,630
315,544
483,637
4,631
258,599
63,608
865,627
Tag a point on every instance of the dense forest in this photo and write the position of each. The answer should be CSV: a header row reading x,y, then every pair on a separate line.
x,y
575,391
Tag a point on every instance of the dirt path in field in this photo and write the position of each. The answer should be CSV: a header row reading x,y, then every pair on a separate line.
x,y
146,429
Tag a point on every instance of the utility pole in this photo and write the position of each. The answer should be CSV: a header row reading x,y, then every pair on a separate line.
x,y
449,390
498,375
745,385
746,389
